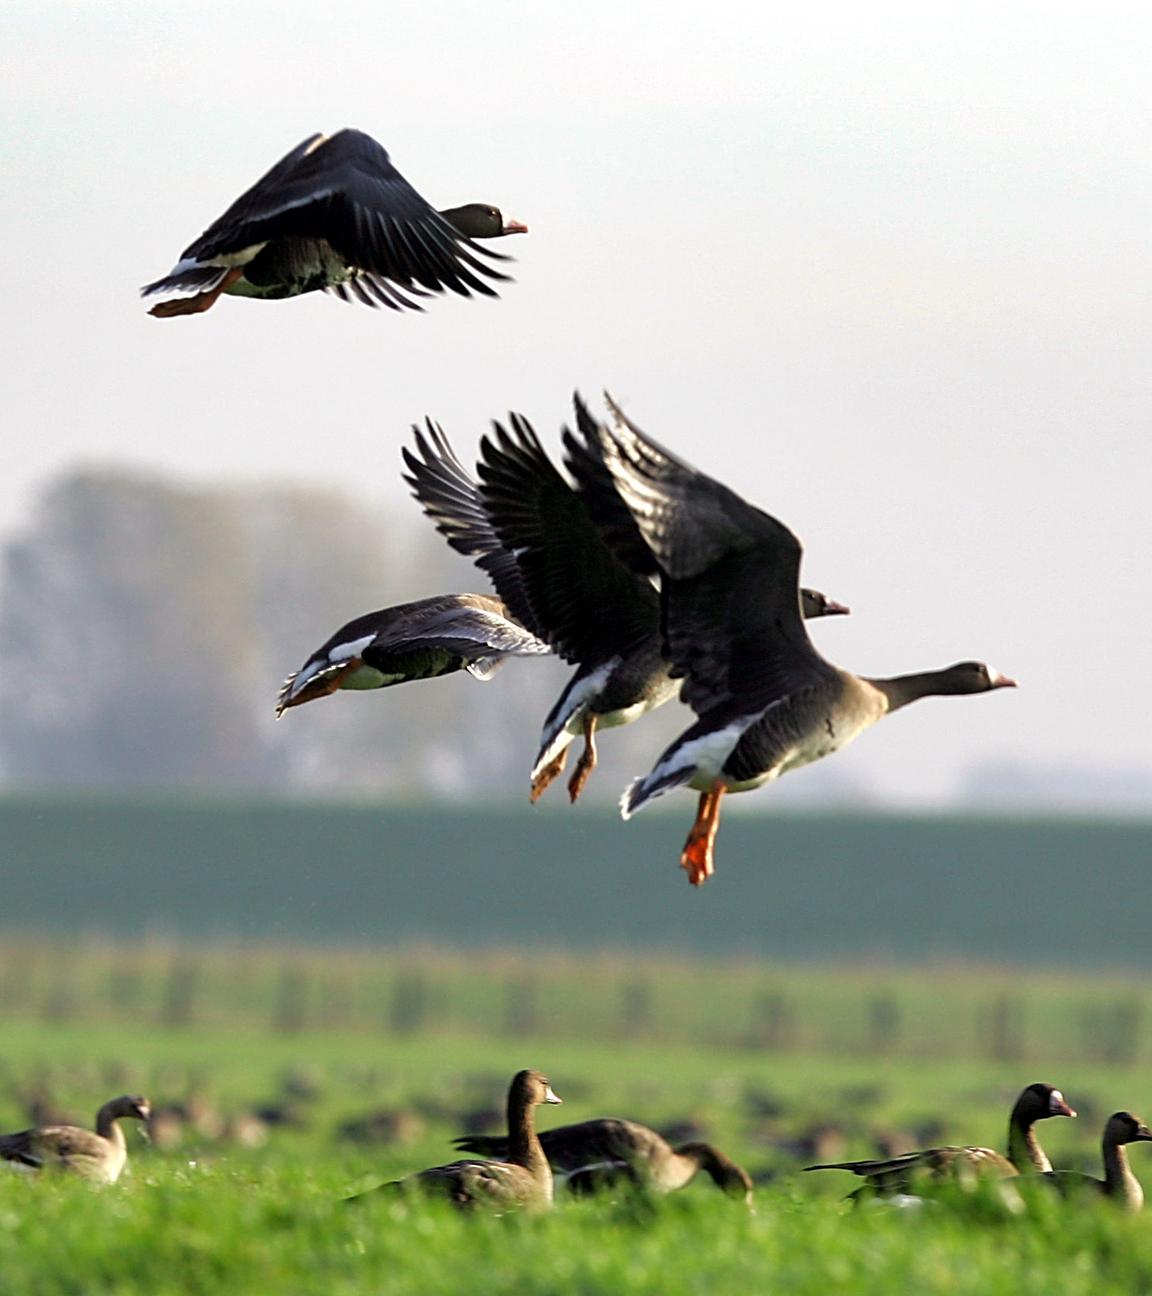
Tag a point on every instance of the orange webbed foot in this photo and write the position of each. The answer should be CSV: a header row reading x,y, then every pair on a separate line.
x,y
579,777
548,775
181,306
587,762
696,859
200,302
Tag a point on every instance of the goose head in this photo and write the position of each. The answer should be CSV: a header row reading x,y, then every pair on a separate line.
x,y
972,677
1123,1127
533,1088
480,221
1039,1101
814,604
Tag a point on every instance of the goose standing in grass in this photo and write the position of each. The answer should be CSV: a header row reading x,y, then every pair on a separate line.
x,y
767,702
98,1156
595,1154
552,551
900,1174
522,1179
1119,1183
334,213
411,641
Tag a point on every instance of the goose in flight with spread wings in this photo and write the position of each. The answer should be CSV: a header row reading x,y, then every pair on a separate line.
x,y
552,550
411,641
334,213
766,701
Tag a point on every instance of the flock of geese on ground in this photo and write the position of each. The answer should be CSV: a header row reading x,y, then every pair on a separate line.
x,y
518,1169
648,576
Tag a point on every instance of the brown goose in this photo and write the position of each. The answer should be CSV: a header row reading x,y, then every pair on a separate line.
x,y
767,702
1119,1183
98,1156
900,1174
411,641
521,1180
553,552
334,213
599,1153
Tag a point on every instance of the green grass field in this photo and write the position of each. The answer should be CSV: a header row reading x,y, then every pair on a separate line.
x,y
211,1216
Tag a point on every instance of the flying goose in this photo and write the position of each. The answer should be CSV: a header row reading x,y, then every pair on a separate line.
x,y
900,1174
767,702
334,213
1119,1183
598,1153
521,1179
98,1156
551,551
411,641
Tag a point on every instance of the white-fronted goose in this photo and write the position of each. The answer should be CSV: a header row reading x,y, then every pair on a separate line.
x,y
594,1154
411,641
98,1156
522,1179
334,213
1119,1183
552,552
767,701
900,1174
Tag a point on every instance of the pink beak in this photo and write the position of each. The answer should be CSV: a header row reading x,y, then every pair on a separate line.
x,y
514,227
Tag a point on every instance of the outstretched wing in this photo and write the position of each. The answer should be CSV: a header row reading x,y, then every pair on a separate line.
x,y
587,604
585,461
451,498
729,584
344,189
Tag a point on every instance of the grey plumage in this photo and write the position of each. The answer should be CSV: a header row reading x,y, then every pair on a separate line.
x,y
411,641
766,700
606,1151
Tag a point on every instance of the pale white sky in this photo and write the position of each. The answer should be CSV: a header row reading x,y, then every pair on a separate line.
x,y
884,268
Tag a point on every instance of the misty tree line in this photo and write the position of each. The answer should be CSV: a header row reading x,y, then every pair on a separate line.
x,y
145,628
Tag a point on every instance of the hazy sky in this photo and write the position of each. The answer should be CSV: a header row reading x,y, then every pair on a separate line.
x,y
885,269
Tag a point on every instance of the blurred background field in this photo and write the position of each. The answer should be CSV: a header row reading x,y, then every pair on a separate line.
x,y
318,997
1043,892
380,945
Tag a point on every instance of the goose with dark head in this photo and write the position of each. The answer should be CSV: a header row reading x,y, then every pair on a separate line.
x,y
335,214
766,701
520,1180
888,1176
98,1155
600,1154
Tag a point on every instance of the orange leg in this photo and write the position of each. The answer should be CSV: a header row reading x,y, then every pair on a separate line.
x,y
547,775
696,859
587,761
201,302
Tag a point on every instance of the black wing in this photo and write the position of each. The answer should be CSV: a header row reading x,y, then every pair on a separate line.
x,y
614,521
588,605
344,189
451,498
730,601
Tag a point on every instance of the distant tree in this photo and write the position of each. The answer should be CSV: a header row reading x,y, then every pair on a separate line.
x,y
125,651
145,628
